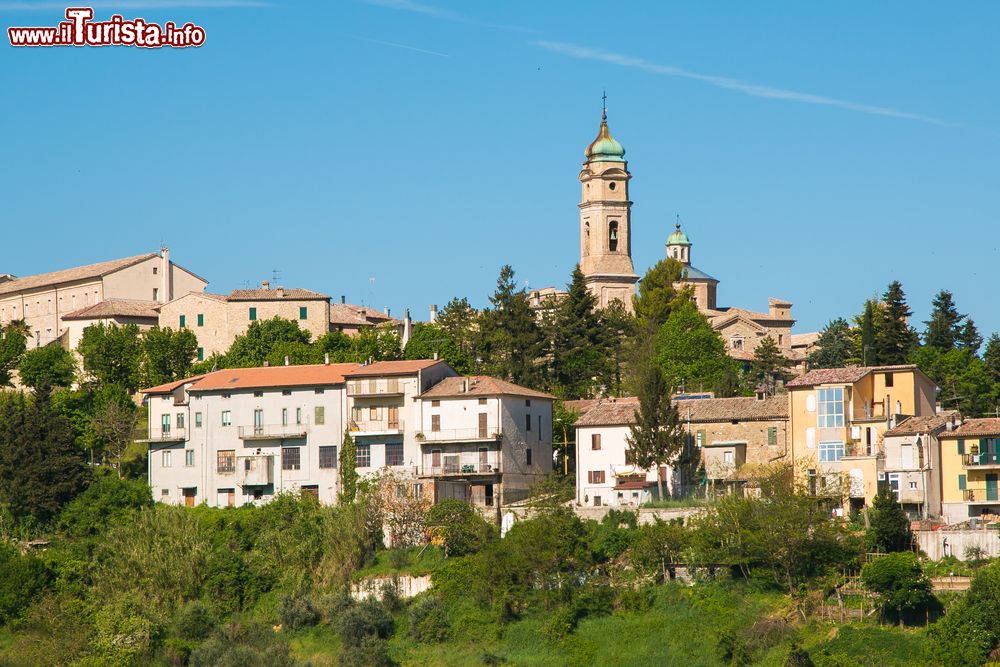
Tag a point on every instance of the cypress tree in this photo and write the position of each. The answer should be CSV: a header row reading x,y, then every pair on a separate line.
x,y
769,365
348,462
895,339
945,324
968,337
511,340
657,436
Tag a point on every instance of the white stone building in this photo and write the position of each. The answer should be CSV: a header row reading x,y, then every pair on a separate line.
x,y
912,464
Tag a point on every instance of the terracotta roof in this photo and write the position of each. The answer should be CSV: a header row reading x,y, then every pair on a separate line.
x,y
381,368
115,308
480,385
276,294
580,406
974,428
846,375
311,375
805,339
925,424
346,313
71,275
633,485
621,411
169,387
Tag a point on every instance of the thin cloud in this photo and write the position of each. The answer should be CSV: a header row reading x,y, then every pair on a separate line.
x,y
440,13
124,5
402,46
745,87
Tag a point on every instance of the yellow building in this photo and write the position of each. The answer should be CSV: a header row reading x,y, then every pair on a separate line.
x,y
970,468
837,420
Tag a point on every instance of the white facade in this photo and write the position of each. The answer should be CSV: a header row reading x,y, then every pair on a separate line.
x,y
601,468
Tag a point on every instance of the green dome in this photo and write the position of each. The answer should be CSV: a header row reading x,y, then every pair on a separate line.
x,y
604,148
678,237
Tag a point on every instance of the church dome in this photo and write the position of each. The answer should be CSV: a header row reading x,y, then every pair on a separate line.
x,y
678,237
604,148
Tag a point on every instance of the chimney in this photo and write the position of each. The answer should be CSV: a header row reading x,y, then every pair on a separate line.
x,y
266,364
281,292
385,309
435,355
265,284
465,385
343,299
286,359
434,312
326,358
165,281
407,327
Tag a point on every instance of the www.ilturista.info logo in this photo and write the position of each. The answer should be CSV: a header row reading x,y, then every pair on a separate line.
x,y
80,30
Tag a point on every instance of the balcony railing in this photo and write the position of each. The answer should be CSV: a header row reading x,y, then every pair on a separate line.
x,y
861,449
461,434
272,431
389,387
982,459
437,464
169,434
377,426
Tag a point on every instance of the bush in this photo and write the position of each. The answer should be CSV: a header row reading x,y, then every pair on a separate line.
x,y
193,621
798,657
428,621
560,624
243,645
126,634
371,652
461,527
23,578
364,619
899,582
296,612
107,501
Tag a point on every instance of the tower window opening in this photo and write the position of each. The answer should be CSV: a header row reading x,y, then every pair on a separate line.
x,y
613,236
611,185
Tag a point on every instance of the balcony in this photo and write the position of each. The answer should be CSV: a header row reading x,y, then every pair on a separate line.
x,y
385,387
272,432
377,426
459,464
461,435
981,461
860,449
255,470
168,434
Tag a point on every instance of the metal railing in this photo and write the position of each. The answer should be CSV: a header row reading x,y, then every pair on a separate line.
x,y
861,449
981,459
374,387
460,434
376,425
268,431
169,434
461,463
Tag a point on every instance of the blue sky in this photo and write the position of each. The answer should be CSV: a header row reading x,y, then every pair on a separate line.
x,y
399,152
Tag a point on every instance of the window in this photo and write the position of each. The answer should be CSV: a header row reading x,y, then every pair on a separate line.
x,y
772,435
201,354
155,270
227,418
736,343
700,438
183,321
319,391
595,441
290,458
831,407
913,486
527,402
303,312
831,451
225,461
961,482
165,459
165,492
286,392
435,404
727,456
298,415
319,415
961,447
394,454
258,394
888,379
373,413
253,314
328,456
156,296
165,423
364,456
527,422
527,456
197,420
284,416
189,457
180,420
482,401
435,423
310,490
435,458
613,236
595,477
201,319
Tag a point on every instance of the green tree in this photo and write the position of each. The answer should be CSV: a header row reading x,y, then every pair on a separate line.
x,y
462,528
866,332
769,365
658,296
379,343
579,357
167,355
895,339
690,352
461,322
964,379
834,347
112,354
945,323
46,368
41,468
618,328
107,502
338,345
252,348
657,436
348,469
991,357
511,340
296,353
899,582
114,424
429,339
24,579
13,343
968,337
889,528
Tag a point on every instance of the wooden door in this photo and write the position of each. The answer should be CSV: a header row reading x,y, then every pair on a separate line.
x,y
189,497
482,425
484,460
393,417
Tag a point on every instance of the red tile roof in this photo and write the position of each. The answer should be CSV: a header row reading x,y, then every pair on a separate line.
x,y
974,428
480,385
925,424
276,294
347,313
169,387
611,412
847,375
312,375
73,274
621,411
382,368
116,308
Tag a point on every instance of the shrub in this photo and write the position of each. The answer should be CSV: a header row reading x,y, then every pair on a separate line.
x,y
560,623
126,634
798,657
331,605
243,645
428,620
371,652
296,612
899,582
193,621
364,619
107,501
23,578
462,528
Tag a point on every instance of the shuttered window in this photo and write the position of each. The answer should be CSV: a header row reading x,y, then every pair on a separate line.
x,y
961,482
595,441
961,447
772,435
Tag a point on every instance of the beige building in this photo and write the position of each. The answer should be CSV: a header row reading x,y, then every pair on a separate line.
x,y
970,470
136,284
912,461
838,418
119,312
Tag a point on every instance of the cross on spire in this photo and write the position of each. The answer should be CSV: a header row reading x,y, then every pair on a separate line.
x,y
604,112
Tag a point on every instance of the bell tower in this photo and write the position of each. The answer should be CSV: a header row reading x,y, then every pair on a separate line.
x,y
605,221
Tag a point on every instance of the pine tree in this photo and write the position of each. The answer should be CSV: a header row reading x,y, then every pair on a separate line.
x,y
895,339
945,324
461,322
889,528
617,328
834,346
511,340
769,365
13,343
968,337
348,462
866,331
657,436
658,295
41,468
992,357
578,355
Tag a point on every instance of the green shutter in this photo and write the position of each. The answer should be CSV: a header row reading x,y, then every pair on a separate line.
x,y
772,435
302,312
201,319
183,321
961,482
253,314
320,415
701,438
201,354
961,447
